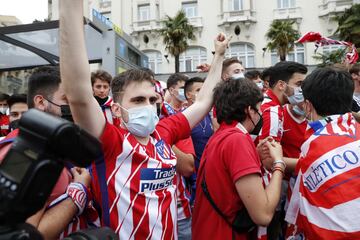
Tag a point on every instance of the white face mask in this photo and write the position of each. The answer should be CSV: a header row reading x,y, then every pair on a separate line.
x,y
3,110
237,76
260,85
297,97
181,95
299,111
142,120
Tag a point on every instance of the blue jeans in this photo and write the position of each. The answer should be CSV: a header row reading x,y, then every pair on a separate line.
x,y
184,229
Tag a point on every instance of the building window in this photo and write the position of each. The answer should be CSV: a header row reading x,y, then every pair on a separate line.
x,y
286,3
244,52
190,9
144,12
155,60
191,58
236,5
330,48
297,55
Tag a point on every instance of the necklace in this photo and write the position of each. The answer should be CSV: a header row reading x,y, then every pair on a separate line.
x,y
203,127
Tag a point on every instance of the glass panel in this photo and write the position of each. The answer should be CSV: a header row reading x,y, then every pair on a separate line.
x,y
274,59
250,62
188,65
292,3
190,9
12,56
291,57
143,12
300,58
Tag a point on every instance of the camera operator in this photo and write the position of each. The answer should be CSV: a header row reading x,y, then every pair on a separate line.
x,y
63,213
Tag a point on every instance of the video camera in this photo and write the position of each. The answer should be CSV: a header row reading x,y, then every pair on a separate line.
x,y
32,166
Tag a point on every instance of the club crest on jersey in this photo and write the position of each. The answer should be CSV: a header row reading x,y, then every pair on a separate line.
x,y
163,149
152,179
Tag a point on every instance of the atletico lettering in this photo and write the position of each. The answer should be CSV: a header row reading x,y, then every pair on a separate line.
x,y
321,171
153,179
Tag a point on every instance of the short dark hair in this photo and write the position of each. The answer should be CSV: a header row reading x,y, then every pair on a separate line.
x,y
17,98
43,81
230,61
4,96
175,78
149,71
329,90
355,69
189,83
284,71
102,75
122,80
233,97
252,75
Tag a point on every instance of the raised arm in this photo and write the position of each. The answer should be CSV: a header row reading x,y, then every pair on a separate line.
x,y
74,67
204,100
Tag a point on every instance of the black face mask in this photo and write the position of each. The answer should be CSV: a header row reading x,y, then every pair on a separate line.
x,y
158,109
14,125
101,101
65,111
258,126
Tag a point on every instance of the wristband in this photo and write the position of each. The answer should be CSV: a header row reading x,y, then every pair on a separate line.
x,y
79,195
280,162
278,169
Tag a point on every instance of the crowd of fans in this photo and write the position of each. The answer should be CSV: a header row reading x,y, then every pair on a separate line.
x,y
238,155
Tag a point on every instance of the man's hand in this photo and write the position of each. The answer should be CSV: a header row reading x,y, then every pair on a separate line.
x,y
221,44
81,175
275,149
205,67
264,153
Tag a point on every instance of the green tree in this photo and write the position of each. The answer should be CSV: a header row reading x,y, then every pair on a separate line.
x,y
349,25
175,33
281,37
330,58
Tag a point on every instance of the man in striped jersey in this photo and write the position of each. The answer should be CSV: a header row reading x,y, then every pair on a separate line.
x,y
325,199
134,184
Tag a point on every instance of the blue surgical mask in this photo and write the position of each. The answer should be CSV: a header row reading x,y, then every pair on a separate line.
x,y
181,96
297,97
298,110
237,76
142,120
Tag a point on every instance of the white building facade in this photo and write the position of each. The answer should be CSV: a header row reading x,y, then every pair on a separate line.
x,y
246,20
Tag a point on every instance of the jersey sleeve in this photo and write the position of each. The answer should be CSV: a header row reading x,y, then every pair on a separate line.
x,y
272,123
174,128
111,141
186,146
240,156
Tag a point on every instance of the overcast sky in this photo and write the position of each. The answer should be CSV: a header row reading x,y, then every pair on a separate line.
x,y
25,10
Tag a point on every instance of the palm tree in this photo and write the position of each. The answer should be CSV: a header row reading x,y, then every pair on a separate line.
x,y
281,37
330,58
175,33
349,25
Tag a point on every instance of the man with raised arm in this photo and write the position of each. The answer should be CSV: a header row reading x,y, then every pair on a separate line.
x,y
134,185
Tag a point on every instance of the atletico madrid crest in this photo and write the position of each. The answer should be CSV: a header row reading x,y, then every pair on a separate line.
x,y
163,149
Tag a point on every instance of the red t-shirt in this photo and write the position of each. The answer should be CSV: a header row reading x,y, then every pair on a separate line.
x,y
229,155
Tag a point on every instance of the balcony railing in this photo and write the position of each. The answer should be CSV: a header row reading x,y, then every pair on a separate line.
x,y
237,16
147,25
287,13
196,21
334,6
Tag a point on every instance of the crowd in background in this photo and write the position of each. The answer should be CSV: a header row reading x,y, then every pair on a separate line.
x,y
238,155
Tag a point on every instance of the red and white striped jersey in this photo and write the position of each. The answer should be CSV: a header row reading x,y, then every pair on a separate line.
x,y
326,199
293,134
272,115
135,184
